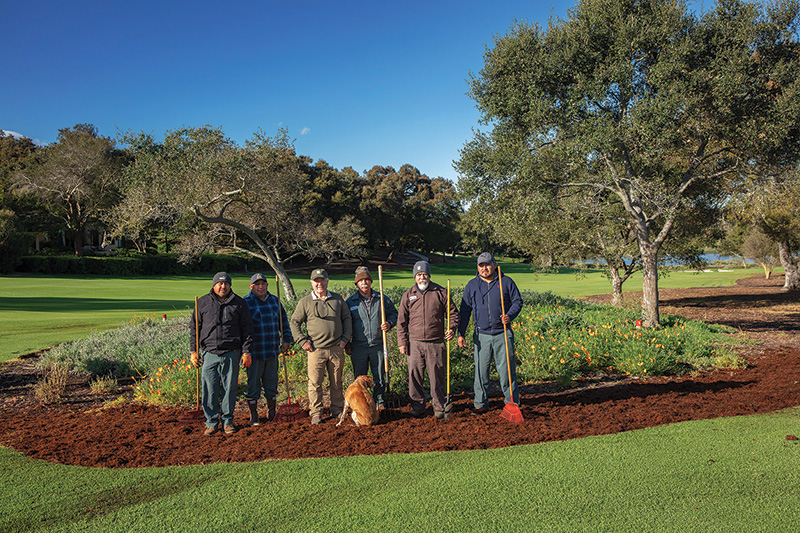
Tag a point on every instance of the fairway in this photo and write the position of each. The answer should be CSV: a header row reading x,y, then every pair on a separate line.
x,y
41,311
727,474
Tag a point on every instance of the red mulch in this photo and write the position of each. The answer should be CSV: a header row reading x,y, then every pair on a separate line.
x,y
79,432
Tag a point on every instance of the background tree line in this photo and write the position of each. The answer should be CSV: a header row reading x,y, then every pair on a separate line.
x,y
201,191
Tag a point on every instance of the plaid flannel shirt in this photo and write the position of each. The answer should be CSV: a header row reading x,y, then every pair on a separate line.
x,y
266,332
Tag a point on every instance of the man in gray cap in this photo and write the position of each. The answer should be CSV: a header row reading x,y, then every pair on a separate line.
x,y
269,320
328,326
421,338
226,337
482,300
367,346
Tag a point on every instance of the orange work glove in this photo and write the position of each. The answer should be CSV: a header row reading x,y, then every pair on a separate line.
x,y
247,360
196,361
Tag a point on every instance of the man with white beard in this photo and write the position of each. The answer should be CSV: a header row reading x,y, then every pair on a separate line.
x,y
421,337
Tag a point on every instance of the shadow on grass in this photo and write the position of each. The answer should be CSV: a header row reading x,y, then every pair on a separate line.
x,y
69,304
103,501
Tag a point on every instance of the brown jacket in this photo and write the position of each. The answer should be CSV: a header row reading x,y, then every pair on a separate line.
x,y
421,316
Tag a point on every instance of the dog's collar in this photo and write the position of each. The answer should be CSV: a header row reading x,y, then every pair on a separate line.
x,y
363,382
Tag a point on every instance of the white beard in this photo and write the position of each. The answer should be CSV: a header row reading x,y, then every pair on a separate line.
x,y
423,285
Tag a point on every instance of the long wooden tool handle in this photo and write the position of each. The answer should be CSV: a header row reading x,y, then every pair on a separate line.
x,y
448,342
197,349
280,329
383,320
505,332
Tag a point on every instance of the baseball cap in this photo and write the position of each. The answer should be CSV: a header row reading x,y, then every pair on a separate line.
x,y
485,257
318,273
257,277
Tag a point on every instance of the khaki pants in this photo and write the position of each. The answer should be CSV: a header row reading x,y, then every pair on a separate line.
x,y
319,361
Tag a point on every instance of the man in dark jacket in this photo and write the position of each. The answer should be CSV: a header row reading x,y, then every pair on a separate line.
x,y
482,301
366,348
421,338
226,337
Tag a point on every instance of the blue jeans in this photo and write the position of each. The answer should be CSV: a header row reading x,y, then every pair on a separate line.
x,y
488,347
370,359
262,375
220,370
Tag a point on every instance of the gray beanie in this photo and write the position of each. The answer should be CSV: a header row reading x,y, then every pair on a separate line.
x,y
422,266
221,276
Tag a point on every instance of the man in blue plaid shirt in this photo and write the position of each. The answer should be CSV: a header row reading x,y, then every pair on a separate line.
x,y
268,314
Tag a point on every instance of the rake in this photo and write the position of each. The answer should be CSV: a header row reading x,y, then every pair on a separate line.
x,y
510,410
290,410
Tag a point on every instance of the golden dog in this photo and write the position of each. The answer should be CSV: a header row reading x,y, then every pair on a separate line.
x,y
359,403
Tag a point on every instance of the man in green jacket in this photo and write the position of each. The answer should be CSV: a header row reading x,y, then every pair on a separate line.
x,y
367,346
328,326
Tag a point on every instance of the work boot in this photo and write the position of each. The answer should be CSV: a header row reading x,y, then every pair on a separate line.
x,y
271,409
253,405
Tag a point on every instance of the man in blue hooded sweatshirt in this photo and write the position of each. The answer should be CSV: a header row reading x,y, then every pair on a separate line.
x,y
482,300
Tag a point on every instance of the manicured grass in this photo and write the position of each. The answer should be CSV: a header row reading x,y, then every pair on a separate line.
x,y
725,474
41,311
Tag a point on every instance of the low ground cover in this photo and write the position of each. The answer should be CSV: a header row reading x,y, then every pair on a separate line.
x,y
557,339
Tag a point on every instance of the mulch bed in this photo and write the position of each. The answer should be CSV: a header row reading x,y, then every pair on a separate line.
x,y
80,431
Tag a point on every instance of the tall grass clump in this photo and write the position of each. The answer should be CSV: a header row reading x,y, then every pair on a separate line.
x,y
53,384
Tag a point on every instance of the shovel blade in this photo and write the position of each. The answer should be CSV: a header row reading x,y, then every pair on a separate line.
x,y
512,413
448,407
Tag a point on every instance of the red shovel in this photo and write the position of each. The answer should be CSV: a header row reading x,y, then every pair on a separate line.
x,y
511,410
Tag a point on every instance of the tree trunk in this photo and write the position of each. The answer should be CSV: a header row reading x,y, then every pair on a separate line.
x,y
288,289
78,241
616,287
650,316
790,266
267,254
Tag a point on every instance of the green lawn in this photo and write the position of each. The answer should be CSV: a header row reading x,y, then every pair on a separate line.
x,y
41,311
728,474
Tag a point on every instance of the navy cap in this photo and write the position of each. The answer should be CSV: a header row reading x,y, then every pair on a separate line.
x,y
258,277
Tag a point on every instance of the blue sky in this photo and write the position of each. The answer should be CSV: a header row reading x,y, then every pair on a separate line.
x,y
356,83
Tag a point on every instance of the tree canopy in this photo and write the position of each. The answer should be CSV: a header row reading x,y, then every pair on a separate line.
x,y
638,102
76,178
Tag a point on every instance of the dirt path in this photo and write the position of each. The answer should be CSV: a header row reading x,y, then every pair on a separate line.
x,y
78,432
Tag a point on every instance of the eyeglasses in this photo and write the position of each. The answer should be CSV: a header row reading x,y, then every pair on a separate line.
x,y
329,311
